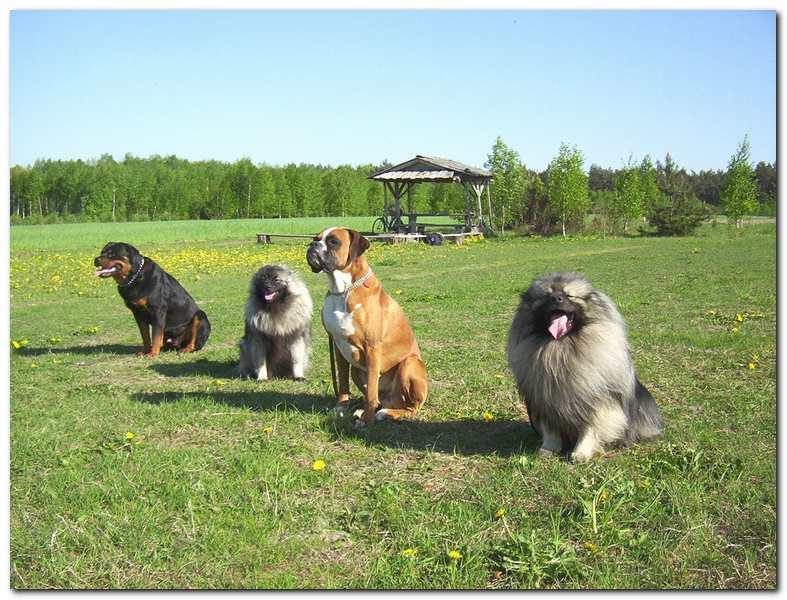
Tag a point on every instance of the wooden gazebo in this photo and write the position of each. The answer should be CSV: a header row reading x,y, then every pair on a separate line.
x,y
400,180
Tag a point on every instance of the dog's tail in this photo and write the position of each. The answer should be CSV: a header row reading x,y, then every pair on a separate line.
x,y
648,423
204,330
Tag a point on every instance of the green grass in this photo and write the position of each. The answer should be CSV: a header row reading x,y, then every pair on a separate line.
x,y
220,491
93,235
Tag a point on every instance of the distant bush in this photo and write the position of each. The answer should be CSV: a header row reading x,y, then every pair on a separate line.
x,y
767,207
680,215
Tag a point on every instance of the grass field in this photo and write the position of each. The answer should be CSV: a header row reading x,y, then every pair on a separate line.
x,y
78,236
129,472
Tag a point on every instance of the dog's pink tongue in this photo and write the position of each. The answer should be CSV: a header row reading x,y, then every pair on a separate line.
x,y
269,297
559,326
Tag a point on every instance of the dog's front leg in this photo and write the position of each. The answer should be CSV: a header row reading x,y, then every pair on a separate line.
x,y
144,330
299,358
258,353
372,384
262,370
158,335
342,379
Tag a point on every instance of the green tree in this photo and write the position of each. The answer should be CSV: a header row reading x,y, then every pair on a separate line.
x,y
508,183
677,211
766,188
627,201
266,203
600,179
649,185
284,203
540,217
739,195
568,186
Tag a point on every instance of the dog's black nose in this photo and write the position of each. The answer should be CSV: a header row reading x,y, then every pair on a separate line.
x,y
558,297
97,261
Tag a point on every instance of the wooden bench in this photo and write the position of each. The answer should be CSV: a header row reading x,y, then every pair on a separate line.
x,y
265,238
391,238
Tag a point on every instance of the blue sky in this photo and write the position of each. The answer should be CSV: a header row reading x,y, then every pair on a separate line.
x,y
353,87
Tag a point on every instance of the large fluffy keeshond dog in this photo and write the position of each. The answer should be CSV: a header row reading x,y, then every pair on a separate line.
x,y
277,335
568,351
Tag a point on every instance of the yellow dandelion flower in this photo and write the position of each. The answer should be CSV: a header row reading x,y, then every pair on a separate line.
x,y
33,365
501,512
397,292
454,555
267,429
591,546
488,416
20,343
409,552
218,382
751,366
735,330
739,318
318,465
55,340
130,435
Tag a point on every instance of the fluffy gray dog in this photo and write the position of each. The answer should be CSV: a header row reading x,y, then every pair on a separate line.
x,y
277,336
568,351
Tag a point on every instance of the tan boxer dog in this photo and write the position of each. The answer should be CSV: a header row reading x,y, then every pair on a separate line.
x,y
371,335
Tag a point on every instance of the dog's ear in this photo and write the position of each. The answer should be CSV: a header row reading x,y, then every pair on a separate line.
x,y
358,245
134,256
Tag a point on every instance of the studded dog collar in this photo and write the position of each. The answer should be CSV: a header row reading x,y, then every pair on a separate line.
x,y
134,276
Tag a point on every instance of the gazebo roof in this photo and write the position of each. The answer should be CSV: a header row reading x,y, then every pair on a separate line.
x,y
431,169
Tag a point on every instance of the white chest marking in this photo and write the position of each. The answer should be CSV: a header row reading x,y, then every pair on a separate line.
x,y
339,324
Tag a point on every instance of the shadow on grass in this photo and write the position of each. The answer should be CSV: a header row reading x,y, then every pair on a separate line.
x,y
201,366
466,436
86,350
262,400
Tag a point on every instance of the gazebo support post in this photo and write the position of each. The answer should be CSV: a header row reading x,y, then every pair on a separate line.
x,y
412,226
489,200
479,190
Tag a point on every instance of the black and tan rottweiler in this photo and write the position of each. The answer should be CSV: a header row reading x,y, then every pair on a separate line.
x,y
156,299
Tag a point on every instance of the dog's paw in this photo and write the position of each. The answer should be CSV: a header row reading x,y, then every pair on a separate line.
x,y
359,424
580,457
381,415
340,410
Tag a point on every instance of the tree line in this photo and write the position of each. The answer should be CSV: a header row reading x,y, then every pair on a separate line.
x,y
556,199
638,193
168,187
